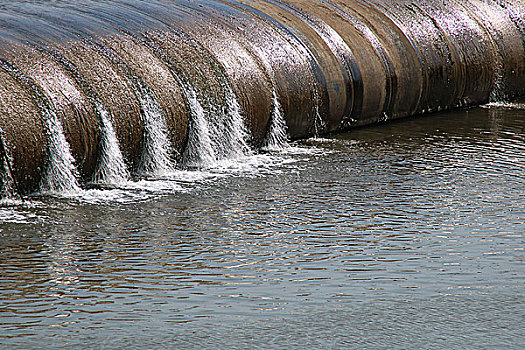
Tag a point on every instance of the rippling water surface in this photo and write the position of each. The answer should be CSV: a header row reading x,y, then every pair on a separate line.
x,y
405,235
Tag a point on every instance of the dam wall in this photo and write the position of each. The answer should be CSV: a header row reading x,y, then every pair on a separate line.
x,y
94,92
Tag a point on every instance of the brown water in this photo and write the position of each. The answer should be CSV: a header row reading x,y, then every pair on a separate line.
x,y
404,235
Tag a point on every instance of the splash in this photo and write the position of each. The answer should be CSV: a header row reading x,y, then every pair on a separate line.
x,y
155,160
232,141
112,169
199,150
215,136
61,175
319,123
7,183
276,139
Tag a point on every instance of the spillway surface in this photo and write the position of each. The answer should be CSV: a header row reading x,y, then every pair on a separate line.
x,y
95,93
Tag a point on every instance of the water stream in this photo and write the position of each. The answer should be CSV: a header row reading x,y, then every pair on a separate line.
x,y
178,213
112,169
61,175
277,139
7,184
156,159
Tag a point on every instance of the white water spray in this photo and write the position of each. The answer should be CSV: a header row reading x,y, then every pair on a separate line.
x,y
233,133
111,169
319,123
276,139
61,175
155,159
199,150
7,183
215,135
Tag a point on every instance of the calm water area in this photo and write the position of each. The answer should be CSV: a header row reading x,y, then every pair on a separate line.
x,y
406,235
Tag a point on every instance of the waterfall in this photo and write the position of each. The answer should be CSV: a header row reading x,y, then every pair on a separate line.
x,y
215,136
319,123
155,158
233,131
497,93
276,139
199,148
111,169
61,175
7,183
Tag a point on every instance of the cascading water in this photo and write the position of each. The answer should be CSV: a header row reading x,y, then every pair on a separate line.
x,y
155,158
61,175
319,123
112,169
215,136
199,150
7,183
276,139
232,133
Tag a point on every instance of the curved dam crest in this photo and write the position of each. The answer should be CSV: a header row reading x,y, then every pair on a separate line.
x,y
95,93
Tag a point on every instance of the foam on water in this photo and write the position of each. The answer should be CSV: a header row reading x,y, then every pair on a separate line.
x,y
13,216
506,105
19,211
112,170
61,175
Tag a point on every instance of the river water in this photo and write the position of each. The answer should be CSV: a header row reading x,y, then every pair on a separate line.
x,y
407,235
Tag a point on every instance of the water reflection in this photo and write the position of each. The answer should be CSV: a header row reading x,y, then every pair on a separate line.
x,y
379,231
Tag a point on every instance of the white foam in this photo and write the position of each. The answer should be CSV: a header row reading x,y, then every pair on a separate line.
x,y
504,104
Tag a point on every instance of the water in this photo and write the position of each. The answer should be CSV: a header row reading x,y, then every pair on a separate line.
x,y
277,139
408,235
112,169
199,148
7,183
61,175
156,157
215,137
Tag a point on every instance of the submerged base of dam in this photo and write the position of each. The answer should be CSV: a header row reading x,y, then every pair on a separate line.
x,y
95,93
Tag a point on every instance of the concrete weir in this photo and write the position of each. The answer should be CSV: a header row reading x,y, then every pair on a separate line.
x,y
107,83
